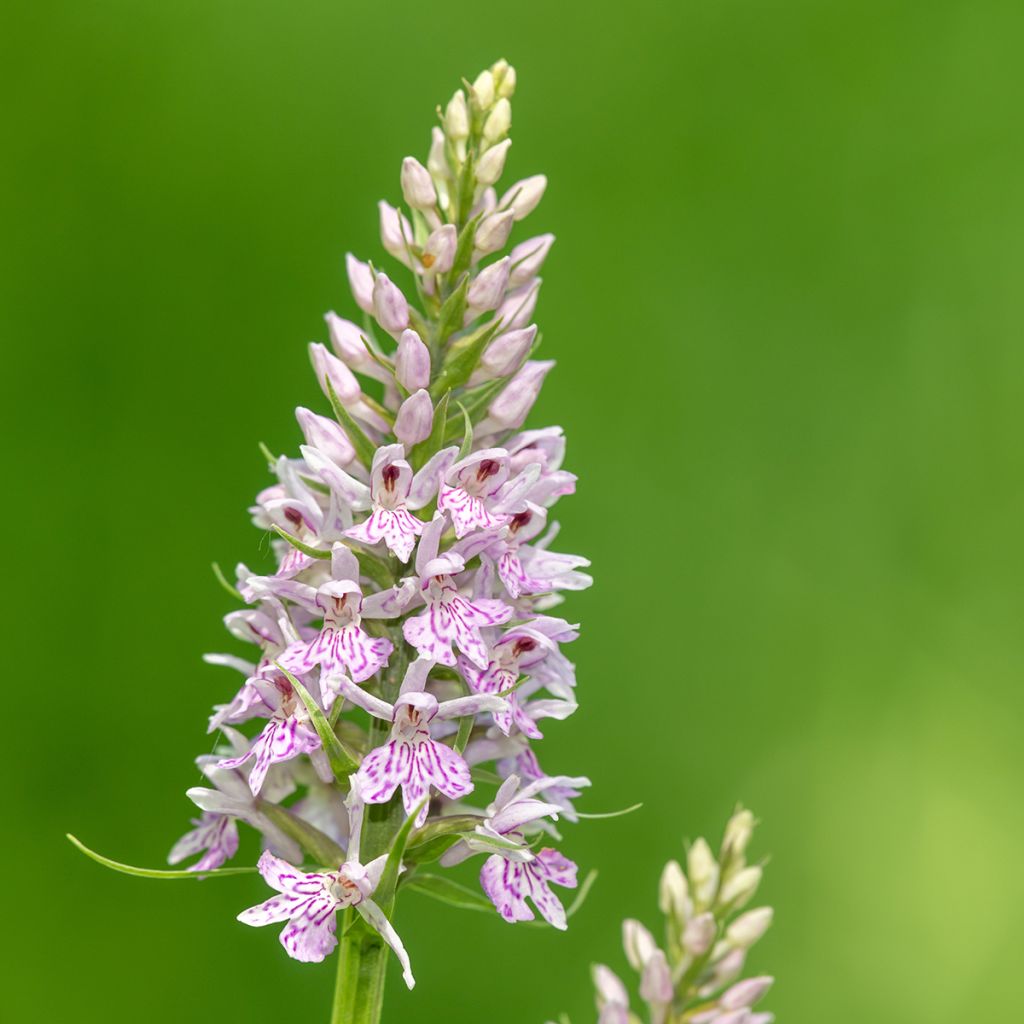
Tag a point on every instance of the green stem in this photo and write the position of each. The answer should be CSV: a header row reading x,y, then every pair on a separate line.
x,y
359,992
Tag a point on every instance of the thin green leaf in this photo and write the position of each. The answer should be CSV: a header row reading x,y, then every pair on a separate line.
x,y
450,318
462,359
464,247
455,825
322,848
427,853
445,890
465,731
467,437
223,581
364,447
342,762
384,894
421,453
268,455
130,869
610,814
298,544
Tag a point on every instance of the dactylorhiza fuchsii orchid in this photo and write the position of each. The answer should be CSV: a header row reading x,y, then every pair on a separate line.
x,y
404,646
693,976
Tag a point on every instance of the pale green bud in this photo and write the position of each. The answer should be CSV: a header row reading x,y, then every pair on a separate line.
x,y
741,886
749,927
498,121
456,117
481,92
737,833
437,161
638,943
703,871
674,892
490,166
504,78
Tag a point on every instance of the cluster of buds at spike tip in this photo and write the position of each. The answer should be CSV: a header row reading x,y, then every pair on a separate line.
x,y
693,977
405,649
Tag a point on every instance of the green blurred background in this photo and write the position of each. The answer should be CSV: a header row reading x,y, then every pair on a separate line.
x,y
786,300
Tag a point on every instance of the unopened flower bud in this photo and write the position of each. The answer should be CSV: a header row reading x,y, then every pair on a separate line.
x,y
699,933
493,231
439,251
395,232
492,163
522,198
609,986
415,418
506,353
512,406
360,280
656,980
738,832
326,436
638,943
725,970
456,117
741,886
517,309
412,362
389,305
733,1017
488,288
347,342
482,91
749,927
745,993
703,871
498,122
417,185
674,892
528,257
437,160
504,78
330,367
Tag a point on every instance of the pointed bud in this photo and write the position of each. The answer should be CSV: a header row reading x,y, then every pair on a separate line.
x,y
347,342
342,379
749,927
437,161
522,198
674,892
326,436
745,993
699,933
512,406
493,231
737,833
417,185
703,871
528,257
656,981
517,309
439,252
741,886
481,93
638,943
733,1017
412,362
609,987
456,117
389,305
395,233
360,280
506,353
504,78
492,163
724,971
415,418
498,122
488,288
